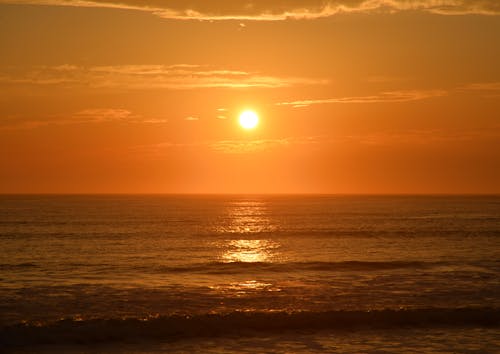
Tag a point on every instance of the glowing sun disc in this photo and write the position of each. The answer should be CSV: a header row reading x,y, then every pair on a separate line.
x,y
249,119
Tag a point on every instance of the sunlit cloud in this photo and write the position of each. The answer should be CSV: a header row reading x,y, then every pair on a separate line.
x,y
86,116
242,146
485,89
175,77
247,146
482,86
390,96
235,146
192,118
420,137
103,115
265,10
431,137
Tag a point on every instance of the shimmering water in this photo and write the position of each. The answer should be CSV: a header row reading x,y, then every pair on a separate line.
x,y
175,271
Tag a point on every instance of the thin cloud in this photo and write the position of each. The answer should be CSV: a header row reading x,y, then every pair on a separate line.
x,y
243,146
248,146
174,77
160,150
102,115
395,138
482,86
390,96
420,137
262,10
86,116
191,118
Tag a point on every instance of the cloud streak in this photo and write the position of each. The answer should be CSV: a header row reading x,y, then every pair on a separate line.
x,y
384,97
482,86
175,77
416,138
235,146
102,115
249,146
267,10
246,146
86,116
421,137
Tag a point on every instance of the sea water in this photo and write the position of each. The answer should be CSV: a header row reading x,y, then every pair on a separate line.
x,y
166,273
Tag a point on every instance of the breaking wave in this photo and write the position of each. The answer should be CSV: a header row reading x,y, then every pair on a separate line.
x,y
237,267
71,331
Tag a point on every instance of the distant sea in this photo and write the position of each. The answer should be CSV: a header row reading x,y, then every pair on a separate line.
x,y
249,274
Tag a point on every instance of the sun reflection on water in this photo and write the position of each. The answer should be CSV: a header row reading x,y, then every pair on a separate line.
x,y
250,251
247,222
243,288
251,240
246,216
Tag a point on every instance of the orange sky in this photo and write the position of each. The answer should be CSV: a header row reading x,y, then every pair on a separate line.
x,y
375,96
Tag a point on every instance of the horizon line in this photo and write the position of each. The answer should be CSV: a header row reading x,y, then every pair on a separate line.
x,y
415,194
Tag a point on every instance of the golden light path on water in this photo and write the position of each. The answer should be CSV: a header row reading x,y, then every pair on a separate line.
x,y
248,220
250,251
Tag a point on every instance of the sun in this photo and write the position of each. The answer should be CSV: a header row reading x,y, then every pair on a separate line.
x,y
249,119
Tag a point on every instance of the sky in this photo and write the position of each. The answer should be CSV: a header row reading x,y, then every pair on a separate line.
x,y
353,96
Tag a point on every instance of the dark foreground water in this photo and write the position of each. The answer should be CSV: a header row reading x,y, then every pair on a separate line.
x,y
249,274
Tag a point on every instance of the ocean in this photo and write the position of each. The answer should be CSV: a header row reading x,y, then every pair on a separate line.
x,y
249,274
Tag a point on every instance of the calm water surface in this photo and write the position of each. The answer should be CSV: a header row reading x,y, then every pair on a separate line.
x,y
176,270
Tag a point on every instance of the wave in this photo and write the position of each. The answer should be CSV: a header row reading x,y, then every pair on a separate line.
x,y
9,266
397,231
239,267
182,326
278,267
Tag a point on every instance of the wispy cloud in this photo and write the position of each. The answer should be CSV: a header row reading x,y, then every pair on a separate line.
x,y
101,115
421,137
86,116
221,113
175,77
390,96
269,10
482,86
190,118
416,138
242,146
247,146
